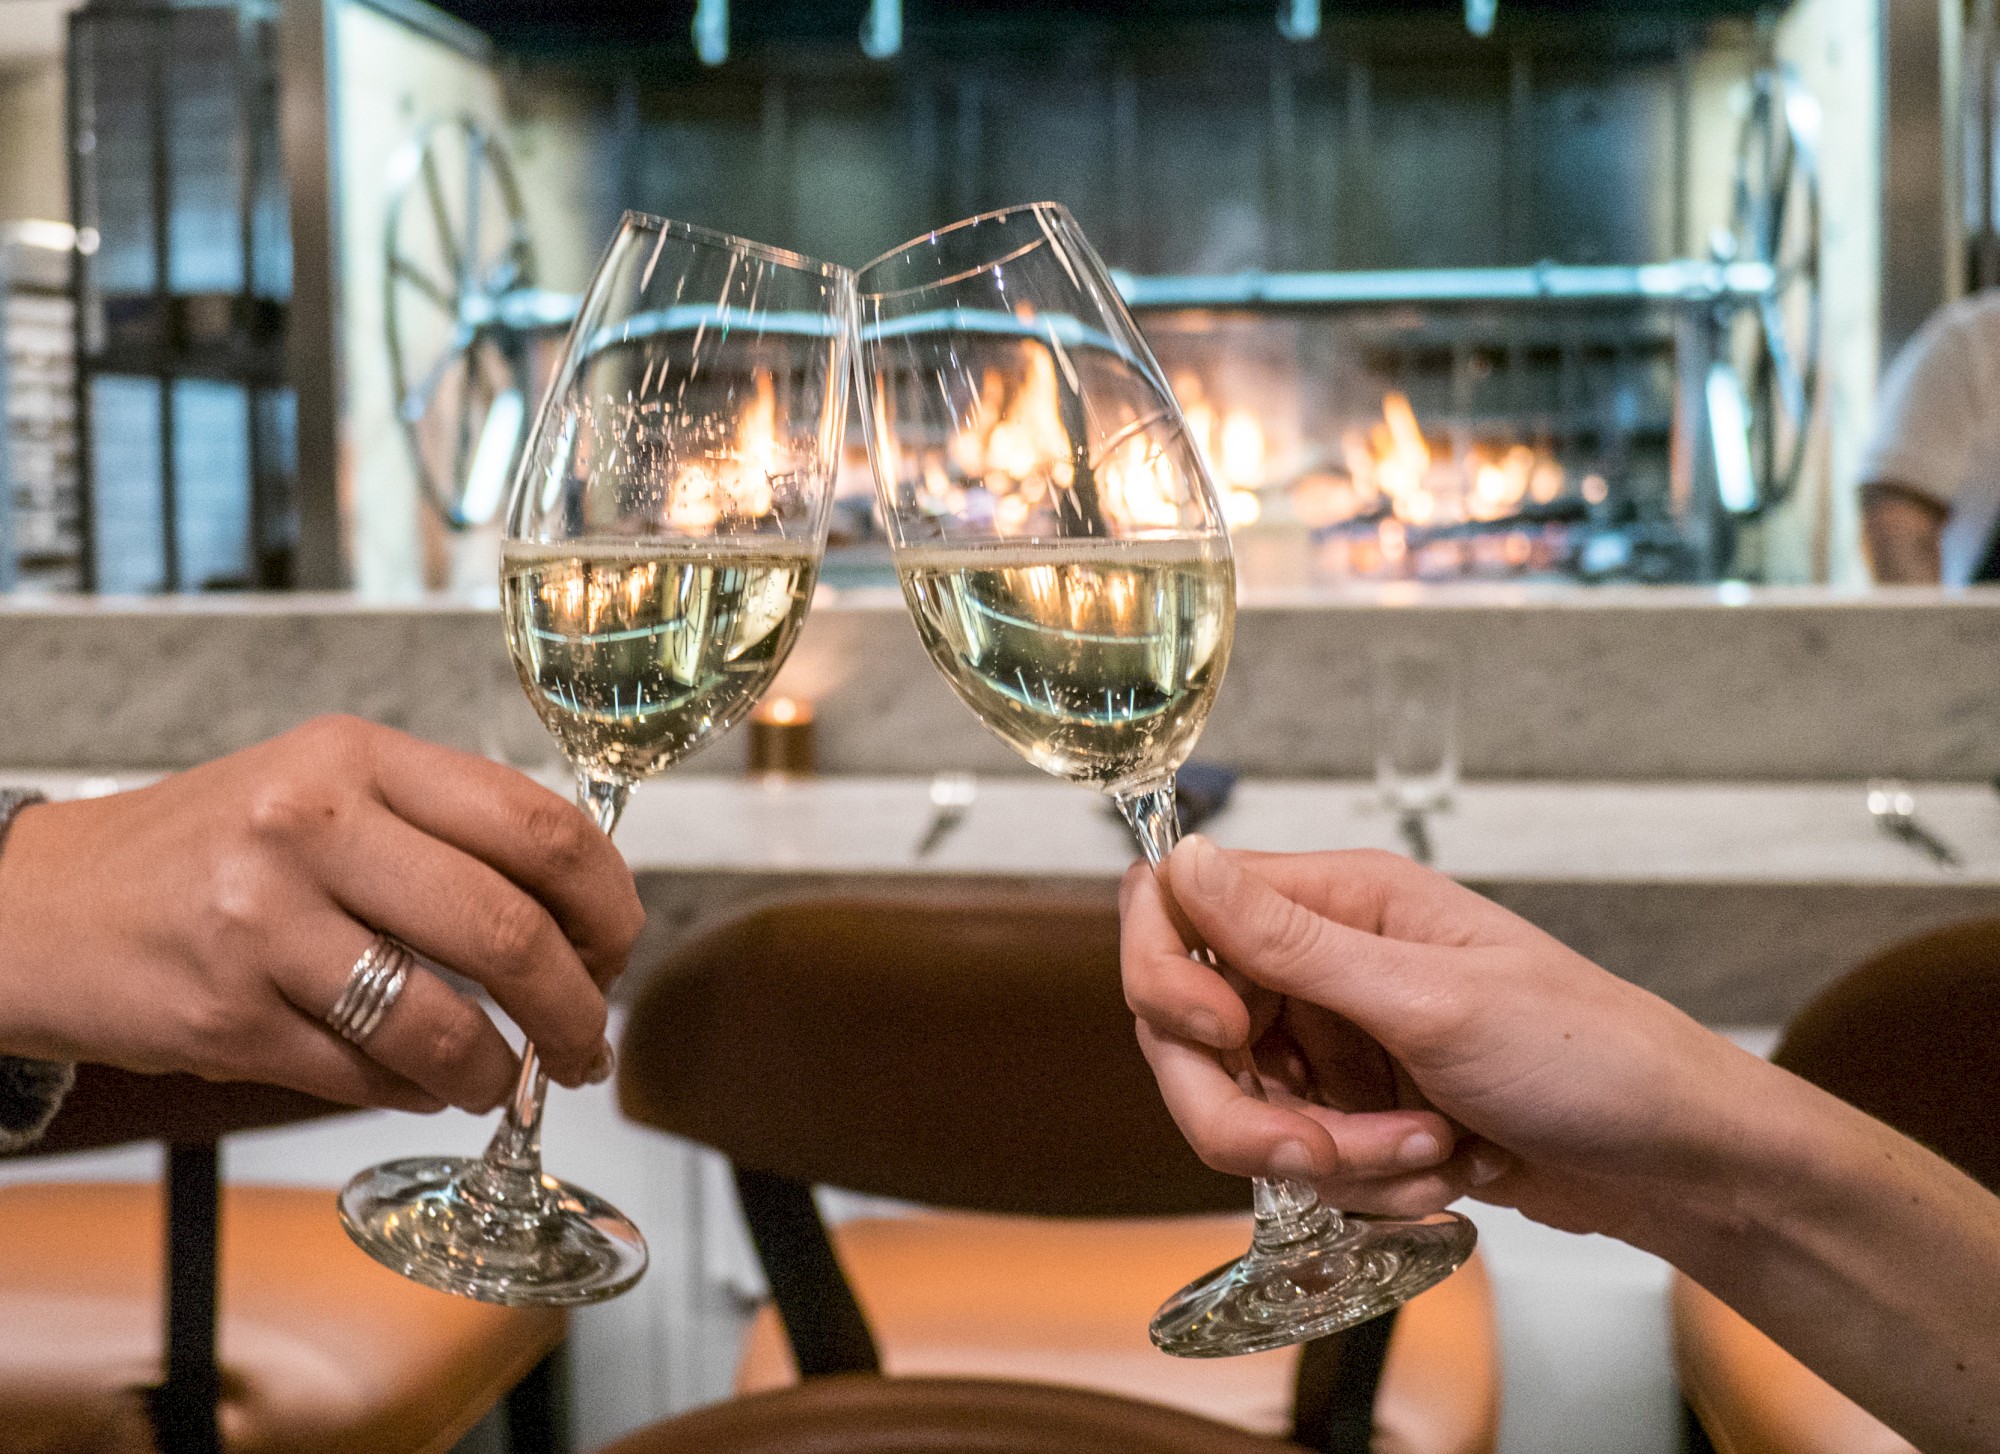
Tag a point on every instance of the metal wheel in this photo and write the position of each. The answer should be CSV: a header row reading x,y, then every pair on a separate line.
x,y
456,246
1771,350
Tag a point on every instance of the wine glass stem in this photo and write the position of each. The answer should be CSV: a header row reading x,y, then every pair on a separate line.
x,y
1286,1211
515,1152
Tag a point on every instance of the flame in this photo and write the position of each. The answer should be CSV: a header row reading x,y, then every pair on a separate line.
x,y
1498,487
1138,481
1546,482
1402,460
783,711
1392,458
1242,449
749,484
736,481
1017,445
691,502
583,596
1240,508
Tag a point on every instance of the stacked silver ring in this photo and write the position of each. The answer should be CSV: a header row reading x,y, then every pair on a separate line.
x,y
373,984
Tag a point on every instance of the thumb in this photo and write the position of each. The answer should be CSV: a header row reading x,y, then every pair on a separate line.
x,y
1284,946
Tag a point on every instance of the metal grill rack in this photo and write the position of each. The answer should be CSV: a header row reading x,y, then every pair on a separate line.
x,y
41,548
1603,370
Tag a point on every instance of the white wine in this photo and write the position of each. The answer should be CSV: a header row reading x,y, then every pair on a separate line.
x,y
635,654
1094,659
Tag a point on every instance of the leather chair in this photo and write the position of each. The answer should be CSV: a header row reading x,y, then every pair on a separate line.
x,y
974,1053
241,1319
863,1415
1913,1038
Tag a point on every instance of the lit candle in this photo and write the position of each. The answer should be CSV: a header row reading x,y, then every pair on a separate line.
x,y
781,737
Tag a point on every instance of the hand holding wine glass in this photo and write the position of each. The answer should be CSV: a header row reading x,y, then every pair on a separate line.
x,y
1063,552
663,536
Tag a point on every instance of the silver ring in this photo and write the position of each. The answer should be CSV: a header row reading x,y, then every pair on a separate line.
x,y
373,985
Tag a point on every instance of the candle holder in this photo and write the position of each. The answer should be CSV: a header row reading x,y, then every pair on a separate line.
x,y
781,738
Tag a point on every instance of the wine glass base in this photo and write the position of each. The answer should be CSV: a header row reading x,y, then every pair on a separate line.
x,y
556,1246
1274,1296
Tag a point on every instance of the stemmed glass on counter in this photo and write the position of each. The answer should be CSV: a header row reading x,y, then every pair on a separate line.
x,y
664,532
1061,547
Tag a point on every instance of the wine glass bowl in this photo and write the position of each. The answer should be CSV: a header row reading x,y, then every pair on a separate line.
x,y
1062,549
664,532
1064,560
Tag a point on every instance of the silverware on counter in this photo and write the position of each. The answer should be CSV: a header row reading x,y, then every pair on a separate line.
x,y
1415,827
952,796
1895,809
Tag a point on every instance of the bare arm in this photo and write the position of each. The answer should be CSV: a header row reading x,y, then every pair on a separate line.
x,y
1901,527
1866,1257
1573,1095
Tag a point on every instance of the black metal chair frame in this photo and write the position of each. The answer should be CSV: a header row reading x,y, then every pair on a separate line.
x,y
1334,1400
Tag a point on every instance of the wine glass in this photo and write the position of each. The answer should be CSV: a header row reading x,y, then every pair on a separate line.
x,y
1061,547
664,531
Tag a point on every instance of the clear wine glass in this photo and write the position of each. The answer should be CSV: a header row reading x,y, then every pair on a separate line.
x,y
1063,552
664,532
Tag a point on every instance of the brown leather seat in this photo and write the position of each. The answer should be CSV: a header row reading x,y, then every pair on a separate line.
x,y
1913,1038
975,1053
320,1349
863,1415
1066,1302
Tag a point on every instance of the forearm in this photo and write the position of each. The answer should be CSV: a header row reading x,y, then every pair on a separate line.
x,y
1902,529
1871,1260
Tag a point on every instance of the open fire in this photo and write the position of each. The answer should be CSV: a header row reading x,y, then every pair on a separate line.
x,y
1391,504
1378,500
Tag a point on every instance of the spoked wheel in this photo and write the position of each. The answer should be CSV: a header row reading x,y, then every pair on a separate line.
x,y
1770,354
456,245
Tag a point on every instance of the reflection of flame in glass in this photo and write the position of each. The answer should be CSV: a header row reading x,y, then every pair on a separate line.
x,y
738,481
578,599
691,504
1140,483
1018,438
749,483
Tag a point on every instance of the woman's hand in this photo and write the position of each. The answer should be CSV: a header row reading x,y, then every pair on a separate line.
x,y
1385,995
1418,1041
208,923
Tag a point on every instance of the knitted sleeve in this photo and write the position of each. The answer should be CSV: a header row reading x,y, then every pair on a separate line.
x,y
30,1090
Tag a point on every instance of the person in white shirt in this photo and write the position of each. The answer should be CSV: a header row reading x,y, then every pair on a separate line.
x,y
1930,481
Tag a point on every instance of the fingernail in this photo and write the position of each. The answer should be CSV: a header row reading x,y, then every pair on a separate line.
x,y
1214,874
1206,1027
1419,1149
1293,1160
601,1068
1489,1163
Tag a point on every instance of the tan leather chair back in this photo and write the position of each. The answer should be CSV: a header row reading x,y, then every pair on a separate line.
x,y
1913,1038
956,1049
863,1415
110,1107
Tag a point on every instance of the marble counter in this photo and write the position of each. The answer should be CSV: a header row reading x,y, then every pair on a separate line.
x,y
1561,683
1735,901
